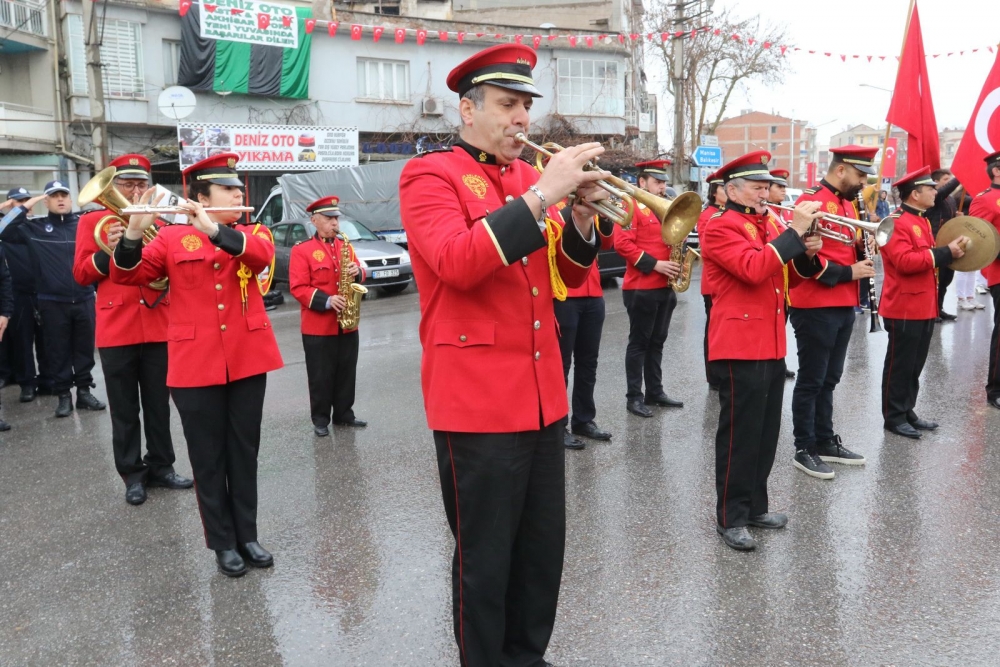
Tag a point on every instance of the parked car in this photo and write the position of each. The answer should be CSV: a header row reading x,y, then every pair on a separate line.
x,y
386,264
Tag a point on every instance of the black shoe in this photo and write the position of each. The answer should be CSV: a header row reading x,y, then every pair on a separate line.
x,y
833,451
28,394
321,431
904,430
637,407
713,387
45,391
947,317
353,421
572,443
664,401
65,407
4,426
170,481
230,563
812,465
737,538
923,424
789,375
255,555
772,521
135,494
995,402
4,382
590,430
87,401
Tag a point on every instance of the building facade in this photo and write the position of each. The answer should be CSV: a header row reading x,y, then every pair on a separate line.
x,y
790,142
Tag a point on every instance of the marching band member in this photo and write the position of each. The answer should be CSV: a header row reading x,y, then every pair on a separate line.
x,y
746,346
986,205
331,351
132,341
823,316
648,296
716,200
909,304
492,375
220,348
776,193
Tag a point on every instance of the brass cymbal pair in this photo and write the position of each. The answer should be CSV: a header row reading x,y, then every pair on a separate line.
x,y
983,247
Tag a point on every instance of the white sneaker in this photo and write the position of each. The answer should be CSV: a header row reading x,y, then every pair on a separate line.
x,y
966,304
979,306
982,290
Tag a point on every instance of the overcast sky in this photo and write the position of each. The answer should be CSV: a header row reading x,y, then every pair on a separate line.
x,y
826,91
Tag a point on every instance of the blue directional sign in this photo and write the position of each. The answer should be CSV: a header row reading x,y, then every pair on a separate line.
x,y
708,156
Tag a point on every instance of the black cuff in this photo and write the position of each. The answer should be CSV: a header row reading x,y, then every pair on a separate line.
x,y
836,274
575,246
646,263
942,257
515,230
128,253
319,300
102,261
789,245
604,226
807,266
230,240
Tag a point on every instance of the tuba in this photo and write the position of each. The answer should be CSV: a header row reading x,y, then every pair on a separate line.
x,y
350,290
101,189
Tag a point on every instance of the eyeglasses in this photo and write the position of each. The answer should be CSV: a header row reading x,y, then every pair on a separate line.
x,y
132,185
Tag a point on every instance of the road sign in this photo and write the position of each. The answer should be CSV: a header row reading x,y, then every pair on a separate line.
x,y
708,156
709,140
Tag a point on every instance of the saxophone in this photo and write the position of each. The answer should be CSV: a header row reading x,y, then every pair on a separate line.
x,y
350,290
685,257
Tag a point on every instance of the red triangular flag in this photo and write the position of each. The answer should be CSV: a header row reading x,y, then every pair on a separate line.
x,y
621,39
717,31
355,32
869,58
694,33
912,107
827,54
633,36
981,138
552,38
400,35
678,33
498,36
460,37
664,36
331,28
572,40
480,34
589,39
183,7
263,21
518,38
736,37
310,26
443,35
536,41
783,49
286,21
751,41
421,36
649,37
881,57
377,33
843,58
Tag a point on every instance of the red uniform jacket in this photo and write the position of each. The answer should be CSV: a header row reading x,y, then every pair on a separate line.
x,y
706,277
745,253
313,277
592,285
986,205
909,289
491,359
211,340
124,315
833,285
642,246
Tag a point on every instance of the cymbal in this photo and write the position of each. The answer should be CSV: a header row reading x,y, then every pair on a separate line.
x,y
983,247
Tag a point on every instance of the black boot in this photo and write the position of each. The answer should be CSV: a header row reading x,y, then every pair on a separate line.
x,y
87,401
65,407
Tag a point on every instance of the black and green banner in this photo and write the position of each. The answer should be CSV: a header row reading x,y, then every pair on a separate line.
x,y
240,67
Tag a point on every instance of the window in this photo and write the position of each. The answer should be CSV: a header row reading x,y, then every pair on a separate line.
x,y
280,234
774,146
121,57
774,129
171,61
387,10
383,80
298,234
272,213
591,87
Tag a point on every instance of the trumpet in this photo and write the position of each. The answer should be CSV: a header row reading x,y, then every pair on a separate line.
x,y
145,209
882,230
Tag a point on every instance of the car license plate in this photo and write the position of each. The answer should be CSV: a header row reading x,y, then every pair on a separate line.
x,y
387,273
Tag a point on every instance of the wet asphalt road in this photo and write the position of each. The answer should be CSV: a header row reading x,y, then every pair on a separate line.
x,y
893,563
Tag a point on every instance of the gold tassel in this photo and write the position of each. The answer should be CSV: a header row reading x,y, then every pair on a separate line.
x,y
554,230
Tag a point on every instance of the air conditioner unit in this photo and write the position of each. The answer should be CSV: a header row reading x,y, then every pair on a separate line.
x,y
432,106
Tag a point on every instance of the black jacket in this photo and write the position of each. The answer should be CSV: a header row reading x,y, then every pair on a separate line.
x,y
6,289
51,241
944,206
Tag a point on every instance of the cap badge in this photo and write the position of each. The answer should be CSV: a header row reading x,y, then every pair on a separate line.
x,y
319,255
231,162
523,61
751,229
191,242
763,159
133,161
477,184
831,207
482,156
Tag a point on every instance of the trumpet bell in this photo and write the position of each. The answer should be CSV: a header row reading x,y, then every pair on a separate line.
x,y
101,190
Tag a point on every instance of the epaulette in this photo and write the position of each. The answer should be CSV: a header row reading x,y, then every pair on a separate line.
x,y
716,214
813,190
301,242
447,149
896,214
986,191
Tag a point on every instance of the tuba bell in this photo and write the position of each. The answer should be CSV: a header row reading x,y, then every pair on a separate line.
x,y
101,190
677,218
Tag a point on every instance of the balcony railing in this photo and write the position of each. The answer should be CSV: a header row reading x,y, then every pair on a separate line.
x,y
24,15
26,123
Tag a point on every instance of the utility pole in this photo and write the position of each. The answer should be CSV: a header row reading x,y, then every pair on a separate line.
x,y
95,86
678,77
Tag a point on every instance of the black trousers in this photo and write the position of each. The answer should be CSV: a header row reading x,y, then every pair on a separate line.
x,y
68,329
708,318
822,335
581,320
993,373
222,429
909,342
24,338
750,394
945,276
136,377
505,498
649,313
332,370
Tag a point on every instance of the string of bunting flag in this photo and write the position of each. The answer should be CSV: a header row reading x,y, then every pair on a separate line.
x,y
357,31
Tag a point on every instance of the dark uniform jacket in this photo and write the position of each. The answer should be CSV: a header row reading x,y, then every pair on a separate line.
x,y
51,240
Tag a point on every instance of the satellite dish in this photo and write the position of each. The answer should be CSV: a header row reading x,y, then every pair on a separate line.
x,y
176,102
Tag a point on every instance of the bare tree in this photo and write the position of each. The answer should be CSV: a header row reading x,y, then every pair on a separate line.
x,y
716,65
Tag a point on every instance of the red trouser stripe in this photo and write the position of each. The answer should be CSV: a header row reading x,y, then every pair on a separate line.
x,y
458,545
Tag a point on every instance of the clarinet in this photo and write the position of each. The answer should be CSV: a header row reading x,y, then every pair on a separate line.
x,y
872,299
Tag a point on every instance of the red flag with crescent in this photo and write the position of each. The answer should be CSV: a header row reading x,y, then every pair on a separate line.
x,y
982,136
912,108
355,32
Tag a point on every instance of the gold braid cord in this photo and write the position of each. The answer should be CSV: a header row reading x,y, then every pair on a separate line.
x,y
554,230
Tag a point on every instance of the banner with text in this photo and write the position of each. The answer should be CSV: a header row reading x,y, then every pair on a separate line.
x,y
250,21
270,147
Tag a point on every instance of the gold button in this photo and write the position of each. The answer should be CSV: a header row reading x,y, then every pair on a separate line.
x,y
463,338
538,325
223,327
534,291
538,355
524,260
217,265
218,287
221,307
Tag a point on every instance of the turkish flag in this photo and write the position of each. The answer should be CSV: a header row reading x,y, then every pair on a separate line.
x,y
310,26
536,41
331,28
263,21
912,108
460,37
421,36
400,35
286,21
184,6
377,33
355,31
981,138
443,35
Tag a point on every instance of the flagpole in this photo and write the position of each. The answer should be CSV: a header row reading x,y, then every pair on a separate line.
x,y
888,125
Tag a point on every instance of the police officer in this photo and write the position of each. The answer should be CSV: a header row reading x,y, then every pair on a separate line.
x,y
331,351
6,309
220,347
823,315
648,296
746,345
480,225
716,200
66,308
986,205
132,341
908,304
